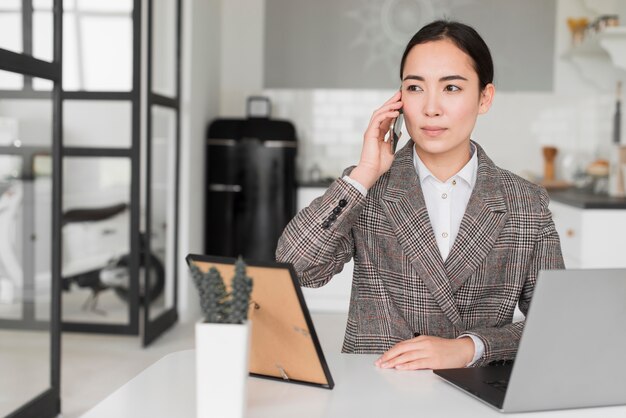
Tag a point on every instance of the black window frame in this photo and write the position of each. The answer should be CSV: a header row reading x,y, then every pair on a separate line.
x,y
48,403
155,327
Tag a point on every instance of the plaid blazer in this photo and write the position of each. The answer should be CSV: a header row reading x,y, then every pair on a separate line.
x,y
401,284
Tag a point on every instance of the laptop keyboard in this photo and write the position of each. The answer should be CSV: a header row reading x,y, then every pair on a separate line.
x,y
501,363
501,385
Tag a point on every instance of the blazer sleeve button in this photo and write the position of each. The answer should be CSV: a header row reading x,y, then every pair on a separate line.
x,y
332,217
337,210
343,203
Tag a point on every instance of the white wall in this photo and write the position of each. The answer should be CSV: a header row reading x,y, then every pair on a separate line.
x,y
200,104
222,66
241,55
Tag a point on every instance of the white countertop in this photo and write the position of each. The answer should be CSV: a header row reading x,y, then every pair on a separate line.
x,y
167,389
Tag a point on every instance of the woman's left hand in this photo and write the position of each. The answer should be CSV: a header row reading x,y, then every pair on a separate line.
x,y
425,352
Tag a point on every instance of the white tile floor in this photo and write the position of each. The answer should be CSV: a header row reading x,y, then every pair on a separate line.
x,y
24,367
94,366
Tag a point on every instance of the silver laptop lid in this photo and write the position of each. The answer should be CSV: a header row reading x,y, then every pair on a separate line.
x,y
573,349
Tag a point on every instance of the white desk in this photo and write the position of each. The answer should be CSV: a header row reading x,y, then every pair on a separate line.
x,y
167,389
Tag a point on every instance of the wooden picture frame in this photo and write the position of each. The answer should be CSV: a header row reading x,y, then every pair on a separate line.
x,y
284,345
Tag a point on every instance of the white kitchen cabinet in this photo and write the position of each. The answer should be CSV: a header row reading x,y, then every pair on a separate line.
x,y
591,238
335,295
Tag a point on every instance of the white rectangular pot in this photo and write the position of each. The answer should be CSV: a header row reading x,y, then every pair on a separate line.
x,y
222,369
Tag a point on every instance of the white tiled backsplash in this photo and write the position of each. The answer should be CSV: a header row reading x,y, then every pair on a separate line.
x,y
330,126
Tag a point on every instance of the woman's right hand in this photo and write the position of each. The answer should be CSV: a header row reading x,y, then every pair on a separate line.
x,y
377,155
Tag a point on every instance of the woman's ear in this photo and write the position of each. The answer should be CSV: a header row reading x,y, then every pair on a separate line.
x,y
486,98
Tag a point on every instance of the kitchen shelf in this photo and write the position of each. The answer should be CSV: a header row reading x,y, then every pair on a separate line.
x,y
613,40
599,55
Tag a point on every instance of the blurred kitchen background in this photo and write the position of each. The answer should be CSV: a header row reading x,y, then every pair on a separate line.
x,y
325,66
328,65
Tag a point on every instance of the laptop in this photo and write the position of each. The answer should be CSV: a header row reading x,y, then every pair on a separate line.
x,y
284,345
572,353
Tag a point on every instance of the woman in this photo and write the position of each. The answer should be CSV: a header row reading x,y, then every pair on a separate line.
x,y
445,243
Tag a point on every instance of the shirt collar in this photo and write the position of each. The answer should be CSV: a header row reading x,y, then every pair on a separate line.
x,y
467,173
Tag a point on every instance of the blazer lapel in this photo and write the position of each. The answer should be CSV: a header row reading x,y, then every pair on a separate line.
x,y
403,202
485,216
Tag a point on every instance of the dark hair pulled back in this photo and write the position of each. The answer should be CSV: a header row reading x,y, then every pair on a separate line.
x,y
464,37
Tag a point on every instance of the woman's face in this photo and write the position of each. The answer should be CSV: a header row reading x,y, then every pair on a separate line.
x,y
441,97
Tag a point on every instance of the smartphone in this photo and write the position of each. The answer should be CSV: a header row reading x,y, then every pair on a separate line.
x,y
394,131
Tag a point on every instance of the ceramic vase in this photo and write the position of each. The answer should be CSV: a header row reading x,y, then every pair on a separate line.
x,y
221,369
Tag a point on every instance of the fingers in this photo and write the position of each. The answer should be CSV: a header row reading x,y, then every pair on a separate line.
x,y
376,154
399,362
399,349
427,352
381,118
385,109
416,353
397,95
419,364
414,359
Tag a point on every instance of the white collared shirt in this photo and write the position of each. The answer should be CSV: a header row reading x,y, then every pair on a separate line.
x,y
446,201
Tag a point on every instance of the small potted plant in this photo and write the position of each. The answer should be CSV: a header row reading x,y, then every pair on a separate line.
x,y
222,342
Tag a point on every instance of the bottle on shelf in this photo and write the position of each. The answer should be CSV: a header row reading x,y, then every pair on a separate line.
x,y
618,155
